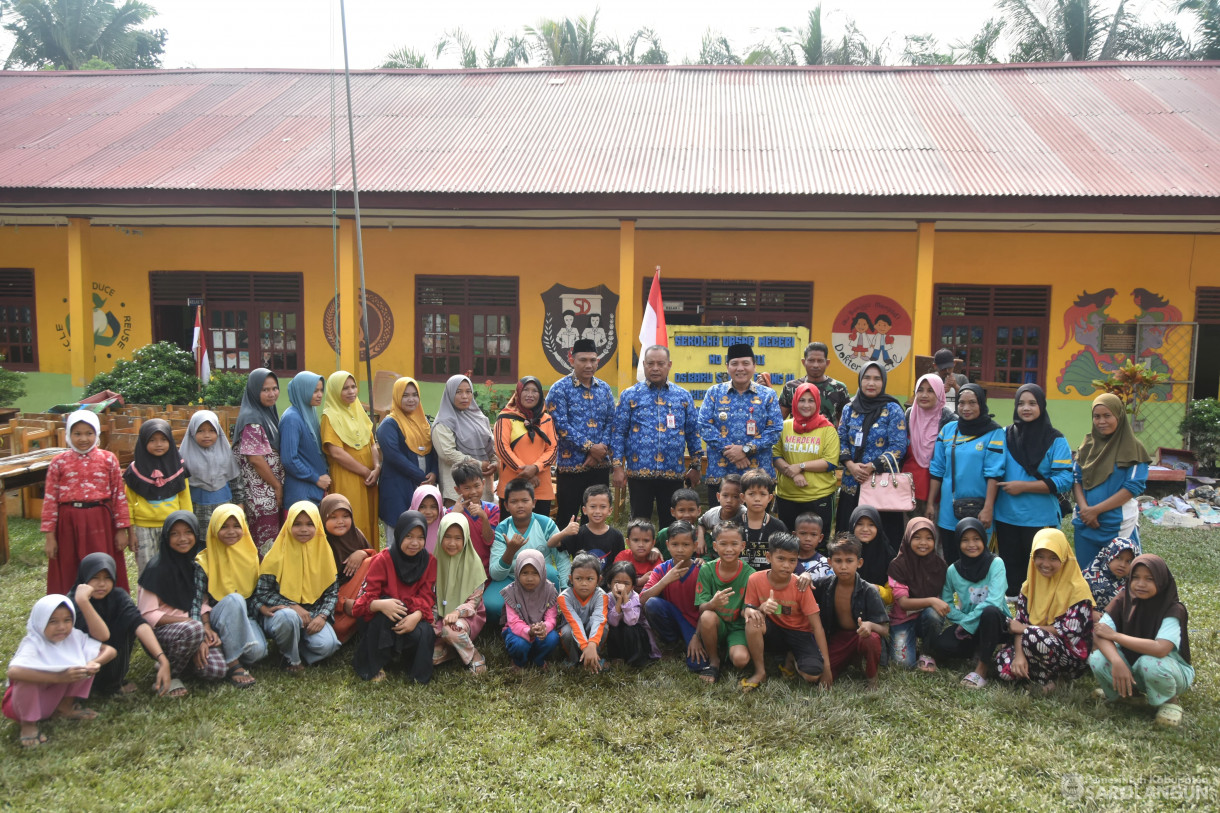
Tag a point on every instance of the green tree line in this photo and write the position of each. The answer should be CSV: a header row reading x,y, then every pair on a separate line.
x,y
1020,31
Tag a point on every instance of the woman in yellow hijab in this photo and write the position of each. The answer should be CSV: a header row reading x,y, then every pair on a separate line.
x,y
355,461
230,563
1053,630
297,590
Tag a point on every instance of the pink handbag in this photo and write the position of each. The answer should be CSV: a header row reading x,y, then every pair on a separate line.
x,y
887,491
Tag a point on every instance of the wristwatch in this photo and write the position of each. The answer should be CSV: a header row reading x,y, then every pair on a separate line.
x,y
748,448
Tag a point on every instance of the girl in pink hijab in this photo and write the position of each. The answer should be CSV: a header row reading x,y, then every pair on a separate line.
x,y
924,420
429,502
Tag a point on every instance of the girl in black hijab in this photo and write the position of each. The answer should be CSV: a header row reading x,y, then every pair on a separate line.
x,y
156,484
124,624
1037,469
1142,643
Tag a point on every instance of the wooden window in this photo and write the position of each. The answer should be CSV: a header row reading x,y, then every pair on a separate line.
x,y
999,330
467,323
252,319
731,302
18,320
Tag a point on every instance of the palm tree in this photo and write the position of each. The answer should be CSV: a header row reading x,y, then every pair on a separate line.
x,y
626,55
67,34
716,50
807,45
516,52
405,58
569,42
1207,18
981,49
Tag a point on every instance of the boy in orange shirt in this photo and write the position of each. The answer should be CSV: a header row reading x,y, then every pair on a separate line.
x,y
782,617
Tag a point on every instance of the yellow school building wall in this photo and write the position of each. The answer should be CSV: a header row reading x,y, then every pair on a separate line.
x,y
842,266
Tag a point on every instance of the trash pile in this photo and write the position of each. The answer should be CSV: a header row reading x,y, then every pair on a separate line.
x,y
1199,508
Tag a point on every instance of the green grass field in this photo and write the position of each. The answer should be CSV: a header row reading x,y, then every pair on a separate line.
x,y
656,738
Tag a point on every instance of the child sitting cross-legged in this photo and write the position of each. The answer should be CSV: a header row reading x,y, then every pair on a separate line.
x,y
628,638
641,552
917,578
1142,642
531,610
721,596
583,609
782,616
855,621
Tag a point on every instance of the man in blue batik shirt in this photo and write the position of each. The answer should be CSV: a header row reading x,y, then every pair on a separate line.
x,y
655,427
582,408
739,421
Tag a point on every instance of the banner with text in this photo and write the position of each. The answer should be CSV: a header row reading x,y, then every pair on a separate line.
x,y
698,354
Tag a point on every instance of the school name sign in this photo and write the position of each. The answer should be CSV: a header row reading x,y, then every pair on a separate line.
x,y
698,354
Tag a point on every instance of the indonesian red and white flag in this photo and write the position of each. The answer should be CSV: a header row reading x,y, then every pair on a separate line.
x,y
199,347
652,329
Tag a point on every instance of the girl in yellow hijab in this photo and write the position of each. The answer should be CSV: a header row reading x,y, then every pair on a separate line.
x,y
1053,630
297,589
230,563
347,440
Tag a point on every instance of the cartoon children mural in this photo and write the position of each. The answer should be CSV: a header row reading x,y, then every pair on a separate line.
x,y
568,334
861,336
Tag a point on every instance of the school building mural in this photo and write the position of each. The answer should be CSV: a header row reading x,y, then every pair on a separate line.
x,y
1027,263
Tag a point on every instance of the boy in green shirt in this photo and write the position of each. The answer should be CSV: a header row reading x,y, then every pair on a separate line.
x,y
720,598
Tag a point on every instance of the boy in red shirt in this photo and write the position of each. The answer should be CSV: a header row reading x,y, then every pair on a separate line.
x,y
669,596
782,617
641,550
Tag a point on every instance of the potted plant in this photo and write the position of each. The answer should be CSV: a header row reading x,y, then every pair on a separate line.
x,y
1133,384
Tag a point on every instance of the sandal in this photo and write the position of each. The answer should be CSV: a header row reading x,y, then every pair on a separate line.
x,y
1169,716
748,686
235,675
127,688
177,689
378,678
292,668
78,712
925,664
786,670
32,741
974,681
709,674
478,667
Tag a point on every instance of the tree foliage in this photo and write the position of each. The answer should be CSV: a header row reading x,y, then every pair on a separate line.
x,y
73,34
161,373
569,42
1207,20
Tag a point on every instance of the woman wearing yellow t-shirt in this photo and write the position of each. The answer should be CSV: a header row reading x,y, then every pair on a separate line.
x,y
805,456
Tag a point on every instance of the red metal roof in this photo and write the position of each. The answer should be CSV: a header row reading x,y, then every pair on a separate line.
x,y
1081,130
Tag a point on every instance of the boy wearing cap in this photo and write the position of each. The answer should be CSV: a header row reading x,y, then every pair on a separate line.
x,y
945,363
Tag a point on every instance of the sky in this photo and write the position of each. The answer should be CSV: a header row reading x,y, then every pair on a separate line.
x,y
305,33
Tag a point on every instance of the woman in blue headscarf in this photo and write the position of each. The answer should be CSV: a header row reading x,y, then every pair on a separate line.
x,y
307,475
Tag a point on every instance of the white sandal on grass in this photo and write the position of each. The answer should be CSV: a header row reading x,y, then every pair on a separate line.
x,y
974,681
1169,716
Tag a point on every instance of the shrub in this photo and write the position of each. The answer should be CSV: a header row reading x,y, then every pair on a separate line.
x,y
161,373
1201,428
12,386
1133,384
224,389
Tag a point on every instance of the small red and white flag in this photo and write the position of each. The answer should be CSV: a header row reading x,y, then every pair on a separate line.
x,y
652,329
199,347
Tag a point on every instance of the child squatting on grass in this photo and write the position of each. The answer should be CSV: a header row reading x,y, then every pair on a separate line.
x,y
53,668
